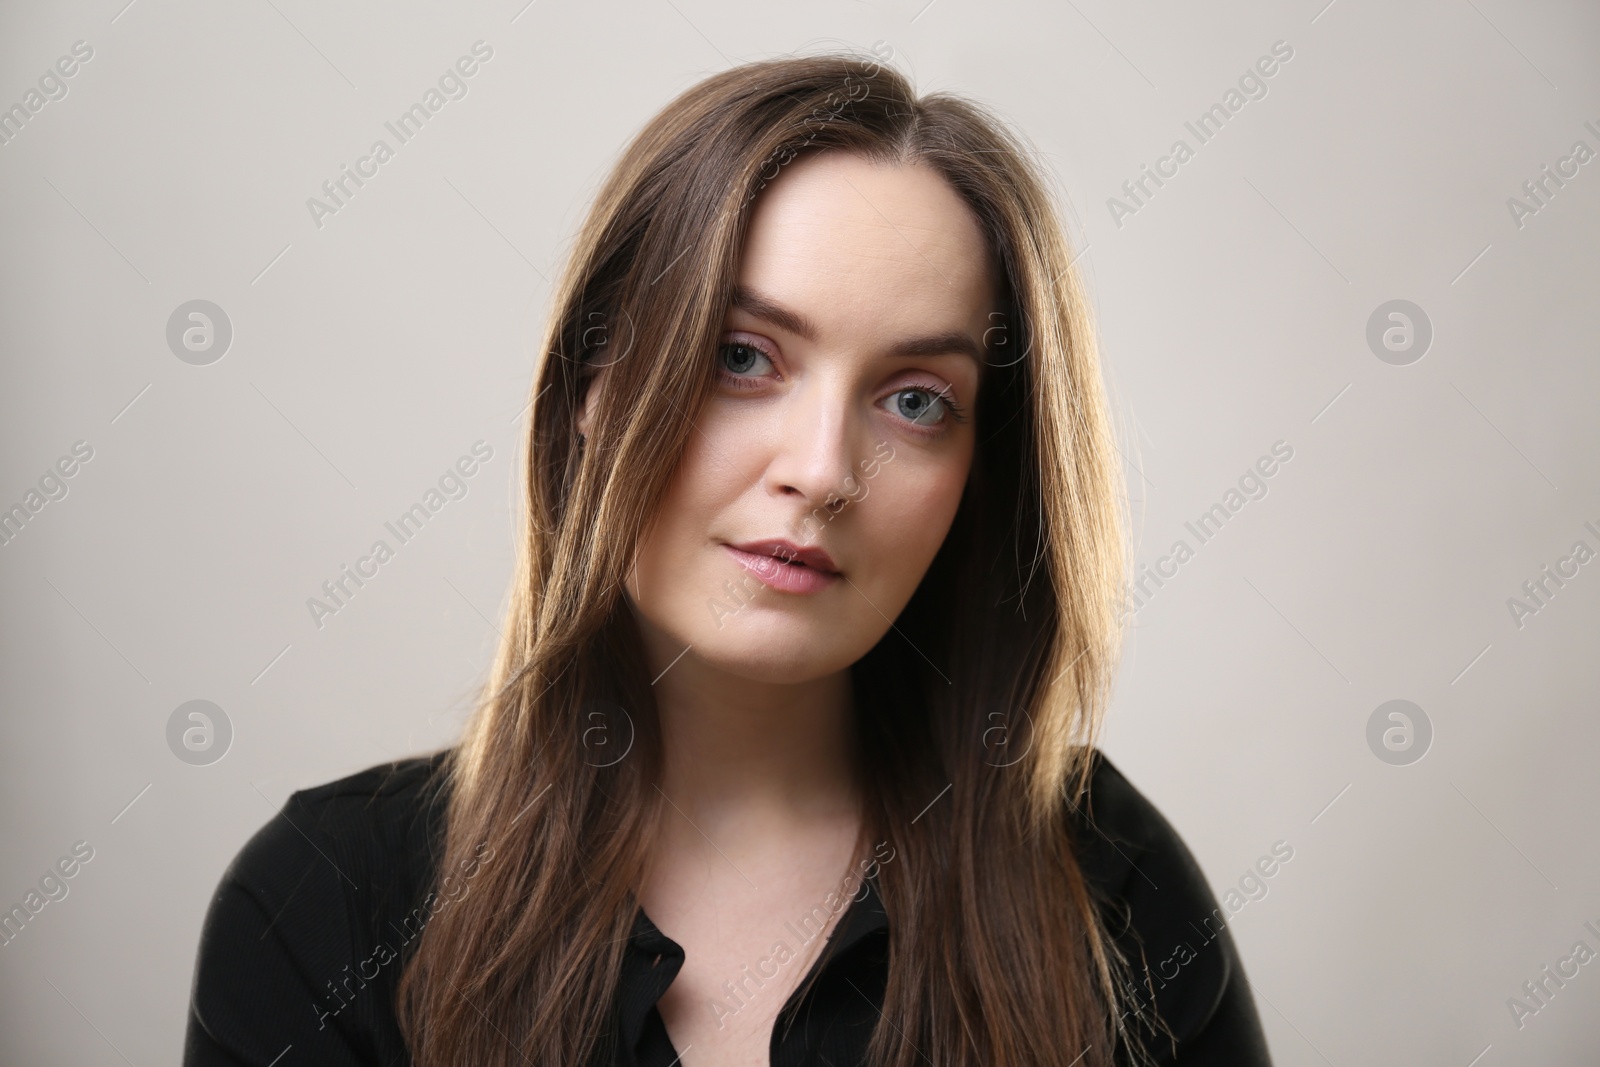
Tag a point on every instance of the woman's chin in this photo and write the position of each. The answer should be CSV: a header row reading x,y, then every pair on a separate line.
x,y
786,655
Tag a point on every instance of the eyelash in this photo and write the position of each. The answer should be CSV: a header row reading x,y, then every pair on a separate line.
x,y
957,412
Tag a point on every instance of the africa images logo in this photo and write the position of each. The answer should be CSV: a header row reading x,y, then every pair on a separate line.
x,y
452,485
452,86
454,889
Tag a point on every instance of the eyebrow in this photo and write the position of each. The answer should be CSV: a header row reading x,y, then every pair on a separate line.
x,y
951,342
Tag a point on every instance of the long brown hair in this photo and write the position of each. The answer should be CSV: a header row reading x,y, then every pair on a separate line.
x,y
986,695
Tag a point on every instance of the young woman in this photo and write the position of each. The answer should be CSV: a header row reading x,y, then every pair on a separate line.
x,y
788,752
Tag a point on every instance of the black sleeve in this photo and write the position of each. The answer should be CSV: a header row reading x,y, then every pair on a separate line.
x,y
276,934
1166,920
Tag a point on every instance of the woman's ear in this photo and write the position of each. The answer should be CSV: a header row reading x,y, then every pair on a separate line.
x,y
590,398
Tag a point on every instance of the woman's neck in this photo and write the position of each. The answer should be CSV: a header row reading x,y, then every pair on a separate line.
x,y
762,750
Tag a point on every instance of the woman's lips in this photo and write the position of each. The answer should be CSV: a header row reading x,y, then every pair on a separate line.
x,y
784,577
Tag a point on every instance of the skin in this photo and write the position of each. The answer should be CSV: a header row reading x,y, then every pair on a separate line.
x,y
756,714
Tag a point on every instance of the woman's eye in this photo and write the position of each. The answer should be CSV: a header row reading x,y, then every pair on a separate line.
x,y
921,406
739,358
925,406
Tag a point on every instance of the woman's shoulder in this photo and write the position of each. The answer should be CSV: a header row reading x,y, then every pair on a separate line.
x,y
1117,827
380,807
304,935
373,832
1165,918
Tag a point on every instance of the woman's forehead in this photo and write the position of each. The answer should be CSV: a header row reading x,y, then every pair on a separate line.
x,y
852,243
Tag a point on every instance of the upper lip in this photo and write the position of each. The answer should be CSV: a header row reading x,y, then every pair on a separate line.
x,y
815,558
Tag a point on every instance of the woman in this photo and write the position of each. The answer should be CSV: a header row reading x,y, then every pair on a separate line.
x,y
788,751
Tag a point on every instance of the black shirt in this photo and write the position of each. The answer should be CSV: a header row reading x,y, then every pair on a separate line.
x,y
308,931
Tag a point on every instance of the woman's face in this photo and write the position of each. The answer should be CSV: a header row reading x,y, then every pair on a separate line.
x,y
842,424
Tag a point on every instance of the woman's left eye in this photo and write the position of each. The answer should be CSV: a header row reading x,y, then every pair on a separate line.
x,y
923,406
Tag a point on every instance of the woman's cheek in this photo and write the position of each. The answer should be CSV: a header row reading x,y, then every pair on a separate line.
x,y
922,494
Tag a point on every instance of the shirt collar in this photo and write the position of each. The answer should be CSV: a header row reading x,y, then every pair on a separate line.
x,y
864,915
653,959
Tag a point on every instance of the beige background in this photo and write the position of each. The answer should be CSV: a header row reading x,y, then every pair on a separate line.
x,y
372,352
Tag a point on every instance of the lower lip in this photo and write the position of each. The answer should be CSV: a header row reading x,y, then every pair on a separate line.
x,y
784,577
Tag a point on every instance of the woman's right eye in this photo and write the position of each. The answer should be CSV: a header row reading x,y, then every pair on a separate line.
x,y
739,358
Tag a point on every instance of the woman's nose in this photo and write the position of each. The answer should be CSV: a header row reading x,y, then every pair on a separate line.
x,y
814,453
